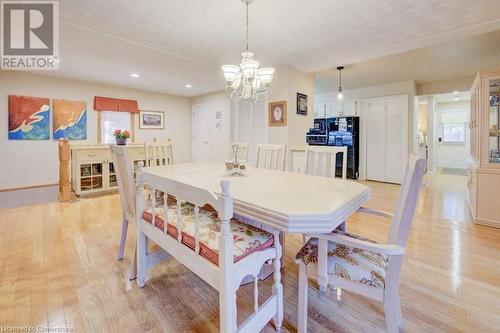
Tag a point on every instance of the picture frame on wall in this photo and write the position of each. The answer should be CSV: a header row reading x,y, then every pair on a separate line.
x,y
151,120
277,113
302,104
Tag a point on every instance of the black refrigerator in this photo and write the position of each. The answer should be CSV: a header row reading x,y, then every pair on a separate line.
x,y
344,131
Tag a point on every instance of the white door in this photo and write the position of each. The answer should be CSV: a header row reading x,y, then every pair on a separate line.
x,y
395,141
375,140
386,138
201,144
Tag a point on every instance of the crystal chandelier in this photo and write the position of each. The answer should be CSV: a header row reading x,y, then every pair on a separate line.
x,y
247,81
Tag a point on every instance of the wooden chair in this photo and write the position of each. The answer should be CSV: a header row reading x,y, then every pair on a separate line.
x,y
202,240
126,188
242,151
322,160
268,156
159,153
360,265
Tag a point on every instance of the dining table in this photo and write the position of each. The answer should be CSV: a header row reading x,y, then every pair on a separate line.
x,y
274,199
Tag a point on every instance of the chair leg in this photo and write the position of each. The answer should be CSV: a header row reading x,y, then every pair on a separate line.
x,y
391,315
141,257
278,287
400,313
133,266
123,239
302,302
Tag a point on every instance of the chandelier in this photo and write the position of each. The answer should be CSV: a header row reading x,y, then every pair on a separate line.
x,y
247,81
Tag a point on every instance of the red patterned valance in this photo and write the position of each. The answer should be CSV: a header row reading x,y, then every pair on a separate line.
x,y
115,104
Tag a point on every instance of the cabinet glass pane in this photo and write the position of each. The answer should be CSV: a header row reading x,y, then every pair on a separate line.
x,y
85,170
96,169
96,183
86,184
494,128
112,181
111,168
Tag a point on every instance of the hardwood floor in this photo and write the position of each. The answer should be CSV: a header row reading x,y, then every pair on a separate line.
x,y
58,269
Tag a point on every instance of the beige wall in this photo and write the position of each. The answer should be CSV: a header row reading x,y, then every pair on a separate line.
x,y
219,138
28,163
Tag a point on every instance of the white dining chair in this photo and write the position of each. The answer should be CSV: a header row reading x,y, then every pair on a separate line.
x,y
126,188
360,265
271,156
242,149
159,153
322,160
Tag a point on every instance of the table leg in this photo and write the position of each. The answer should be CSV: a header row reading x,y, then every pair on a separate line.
x,y
322,265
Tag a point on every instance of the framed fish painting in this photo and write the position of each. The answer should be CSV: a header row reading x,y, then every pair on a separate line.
x,y
29,118
69,119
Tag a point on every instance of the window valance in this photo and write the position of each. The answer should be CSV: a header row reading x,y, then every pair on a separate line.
x,y
115,104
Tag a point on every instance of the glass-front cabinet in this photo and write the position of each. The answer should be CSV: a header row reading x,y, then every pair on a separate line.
x,y
484,164
494,121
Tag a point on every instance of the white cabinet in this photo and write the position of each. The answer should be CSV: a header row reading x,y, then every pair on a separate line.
x,y
92,169
385,125
335,109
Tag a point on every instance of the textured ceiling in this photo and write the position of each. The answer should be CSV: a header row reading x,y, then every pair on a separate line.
x,y
451,60
171,43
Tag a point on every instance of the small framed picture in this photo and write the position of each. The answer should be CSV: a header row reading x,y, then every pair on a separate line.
x,y
277,113
151,120
302,104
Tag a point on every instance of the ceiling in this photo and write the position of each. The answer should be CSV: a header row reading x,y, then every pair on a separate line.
x,y
450,60
171,43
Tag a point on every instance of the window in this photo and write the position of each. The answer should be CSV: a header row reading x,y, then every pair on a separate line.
x,y
111,121
453,132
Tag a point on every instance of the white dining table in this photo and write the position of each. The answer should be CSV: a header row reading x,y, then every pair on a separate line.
x,y
286,201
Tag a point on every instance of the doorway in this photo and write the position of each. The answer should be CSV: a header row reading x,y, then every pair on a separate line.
x,y
201,143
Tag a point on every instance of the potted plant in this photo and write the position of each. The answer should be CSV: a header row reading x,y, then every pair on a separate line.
x,y
121,136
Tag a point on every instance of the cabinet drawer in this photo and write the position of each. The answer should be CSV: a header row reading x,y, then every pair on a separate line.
x,y
90,155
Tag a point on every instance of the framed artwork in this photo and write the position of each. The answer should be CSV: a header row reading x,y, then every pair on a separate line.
x,y
277,113
29,118
69,119
301,104
151,120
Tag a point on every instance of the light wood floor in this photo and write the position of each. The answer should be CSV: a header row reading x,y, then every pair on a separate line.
x,y
58,269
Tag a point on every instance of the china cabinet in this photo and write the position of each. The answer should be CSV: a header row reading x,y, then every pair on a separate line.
x,y
484,162
92,168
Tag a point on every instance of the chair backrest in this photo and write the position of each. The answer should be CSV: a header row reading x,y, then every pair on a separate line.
x,y
407,201
125,179
242,150
322,160
159,153
199,197
268,156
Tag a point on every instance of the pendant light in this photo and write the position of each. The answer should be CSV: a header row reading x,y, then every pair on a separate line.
x,y
247,81
340,94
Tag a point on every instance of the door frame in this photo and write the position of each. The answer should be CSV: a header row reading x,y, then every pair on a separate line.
x,y
363,137
193,128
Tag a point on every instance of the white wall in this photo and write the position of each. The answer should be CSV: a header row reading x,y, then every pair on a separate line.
x,y
28,163
452,155
219,138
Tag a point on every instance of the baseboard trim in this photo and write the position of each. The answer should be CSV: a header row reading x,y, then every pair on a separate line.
x,y
27,187
486,222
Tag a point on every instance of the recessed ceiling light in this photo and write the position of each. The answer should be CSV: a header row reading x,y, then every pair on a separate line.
x,y
135,75
188,85
456,92
456,98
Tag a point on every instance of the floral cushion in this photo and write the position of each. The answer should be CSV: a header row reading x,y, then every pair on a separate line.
x,y
246,238
350,263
